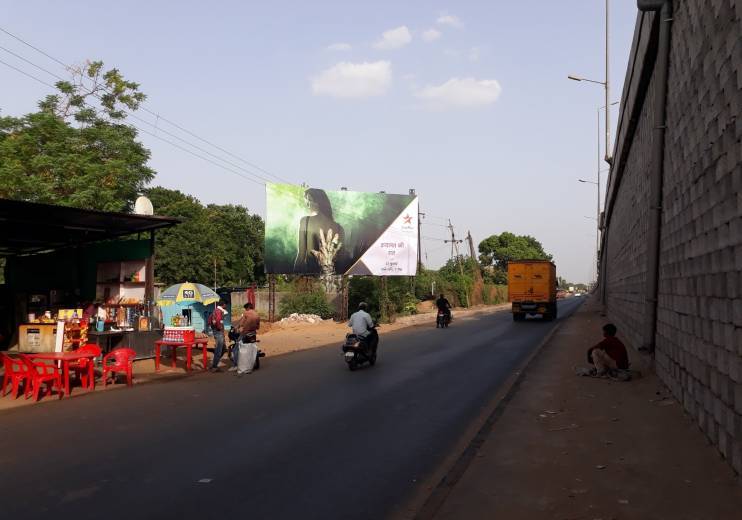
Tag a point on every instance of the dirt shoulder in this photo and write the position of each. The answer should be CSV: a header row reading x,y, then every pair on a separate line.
x,y
569,447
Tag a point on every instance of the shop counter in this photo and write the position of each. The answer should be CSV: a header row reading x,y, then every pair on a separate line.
x,y
142,342
37,337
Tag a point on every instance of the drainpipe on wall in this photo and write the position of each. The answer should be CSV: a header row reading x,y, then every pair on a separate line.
x,y
664,9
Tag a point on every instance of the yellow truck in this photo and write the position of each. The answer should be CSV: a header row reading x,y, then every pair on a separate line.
x,y
532,287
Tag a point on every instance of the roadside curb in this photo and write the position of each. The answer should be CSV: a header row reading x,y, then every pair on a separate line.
x,y
440,492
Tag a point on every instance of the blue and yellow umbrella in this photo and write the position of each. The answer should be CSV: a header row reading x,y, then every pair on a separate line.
x,y
187,293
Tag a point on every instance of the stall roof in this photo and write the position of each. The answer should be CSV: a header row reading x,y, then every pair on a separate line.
x,y
28,227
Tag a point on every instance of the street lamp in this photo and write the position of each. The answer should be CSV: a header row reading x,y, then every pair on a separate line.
x,y
606,85
597,221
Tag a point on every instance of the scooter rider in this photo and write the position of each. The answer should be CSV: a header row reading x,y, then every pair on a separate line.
x,y
363,327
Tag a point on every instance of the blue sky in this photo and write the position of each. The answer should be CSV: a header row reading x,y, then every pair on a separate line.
x,y
467,102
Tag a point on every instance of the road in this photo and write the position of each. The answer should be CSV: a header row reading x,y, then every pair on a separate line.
x,y
302,438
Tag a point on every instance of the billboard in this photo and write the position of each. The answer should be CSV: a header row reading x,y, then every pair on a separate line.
x,y
314,231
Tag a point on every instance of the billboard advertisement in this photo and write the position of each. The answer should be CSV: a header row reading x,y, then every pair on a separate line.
x,y
315,231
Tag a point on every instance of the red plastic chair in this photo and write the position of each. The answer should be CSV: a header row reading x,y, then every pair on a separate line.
x,y
43,374
82,366
122,361
16,372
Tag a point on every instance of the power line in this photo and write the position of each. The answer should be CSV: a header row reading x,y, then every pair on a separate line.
x,y
159,117
142,130
137,118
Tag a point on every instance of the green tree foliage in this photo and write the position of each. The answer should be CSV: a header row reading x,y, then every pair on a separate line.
x,y
226,234
77,150
313,302
497,250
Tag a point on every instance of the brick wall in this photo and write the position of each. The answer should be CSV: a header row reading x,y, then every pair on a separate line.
x,y
699,324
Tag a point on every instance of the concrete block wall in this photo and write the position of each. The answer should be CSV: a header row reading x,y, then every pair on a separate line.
x,y
626,244
698,350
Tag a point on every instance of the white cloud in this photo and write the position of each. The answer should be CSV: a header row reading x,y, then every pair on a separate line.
x,y
461,93
394,39
339,47
353,80
450,20
431,35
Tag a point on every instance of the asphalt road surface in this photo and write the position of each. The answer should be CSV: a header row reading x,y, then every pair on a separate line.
x,y
303,437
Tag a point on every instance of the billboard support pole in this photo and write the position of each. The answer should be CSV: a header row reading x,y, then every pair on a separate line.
x,y
346,297
271,298
383,300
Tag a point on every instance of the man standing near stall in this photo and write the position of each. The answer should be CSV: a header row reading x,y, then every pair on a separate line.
x,y
247,349
216,322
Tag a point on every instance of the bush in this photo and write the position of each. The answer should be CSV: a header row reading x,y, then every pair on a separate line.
x,y
306,303
494,294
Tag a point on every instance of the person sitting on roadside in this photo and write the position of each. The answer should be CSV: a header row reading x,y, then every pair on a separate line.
x,y
609,355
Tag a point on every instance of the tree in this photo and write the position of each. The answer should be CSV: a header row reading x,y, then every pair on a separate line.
x,y
76,150
223,234
497,250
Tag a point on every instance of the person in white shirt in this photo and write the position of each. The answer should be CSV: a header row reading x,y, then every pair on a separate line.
x,y
363,327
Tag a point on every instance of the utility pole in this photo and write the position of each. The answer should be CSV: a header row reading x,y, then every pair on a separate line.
x,y
471,244
214,273
455,247
453,240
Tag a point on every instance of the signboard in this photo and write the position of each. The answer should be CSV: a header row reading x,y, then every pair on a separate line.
x,y
314,231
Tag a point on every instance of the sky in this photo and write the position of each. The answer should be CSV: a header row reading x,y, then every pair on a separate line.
x,y
467,102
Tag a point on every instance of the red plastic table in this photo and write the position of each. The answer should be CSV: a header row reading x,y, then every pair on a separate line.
x,y
66,358
174,345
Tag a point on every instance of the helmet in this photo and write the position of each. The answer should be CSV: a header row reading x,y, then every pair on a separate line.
x,y
362,306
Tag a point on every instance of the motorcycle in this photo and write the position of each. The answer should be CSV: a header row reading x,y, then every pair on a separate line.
x,y
358,350
234,338
442,320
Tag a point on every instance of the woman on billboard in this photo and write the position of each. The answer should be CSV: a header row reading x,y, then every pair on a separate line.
x,y
321,239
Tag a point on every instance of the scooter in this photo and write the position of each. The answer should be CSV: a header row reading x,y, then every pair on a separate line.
x,y
442,320
357,350
234,337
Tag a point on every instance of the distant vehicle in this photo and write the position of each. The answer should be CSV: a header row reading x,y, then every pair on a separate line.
x,y
532,288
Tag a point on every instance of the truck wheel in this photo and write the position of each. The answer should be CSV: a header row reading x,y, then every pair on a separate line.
x,y
519,316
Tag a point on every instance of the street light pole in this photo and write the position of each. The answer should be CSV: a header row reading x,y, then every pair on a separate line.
x,y
597,220
608,157
606,86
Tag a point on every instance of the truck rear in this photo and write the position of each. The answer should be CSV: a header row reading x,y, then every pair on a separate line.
x,y
532,286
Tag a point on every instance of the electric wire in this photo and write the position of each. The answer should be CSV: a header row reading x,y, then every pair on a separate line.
x,y
134,116
142,130
157,115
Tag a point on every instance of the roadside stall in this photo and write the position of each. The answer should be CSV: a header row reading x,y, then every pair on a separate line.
x,y
70,279
184,316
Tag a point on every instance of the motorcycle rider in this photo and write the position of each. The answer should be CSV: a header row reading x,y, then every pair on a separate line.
x,y
363,327
444,306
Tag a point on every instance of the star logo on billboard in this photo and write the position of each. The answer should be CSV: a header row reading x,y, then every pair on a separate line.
x,y
407,219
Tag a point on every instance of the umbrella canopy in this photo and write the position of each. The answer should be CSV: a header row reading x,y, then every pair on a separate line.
x,y
187,293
